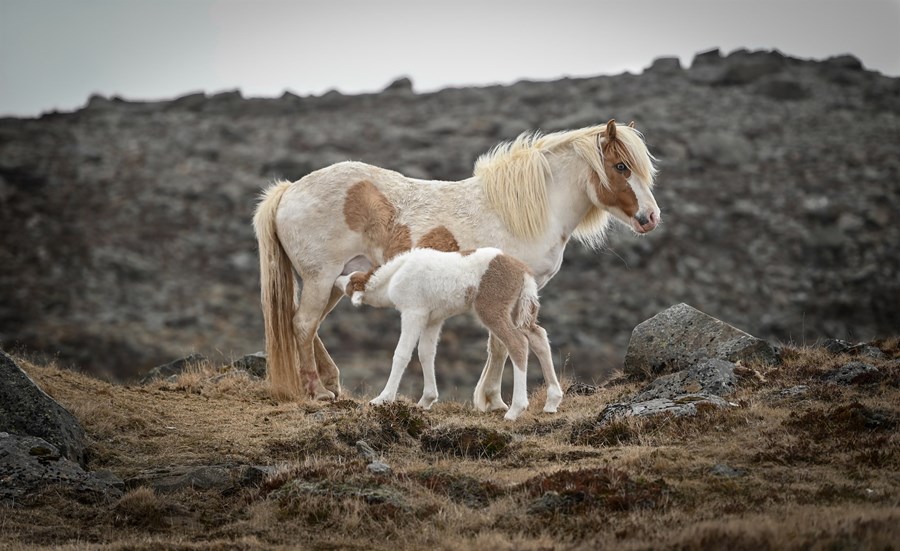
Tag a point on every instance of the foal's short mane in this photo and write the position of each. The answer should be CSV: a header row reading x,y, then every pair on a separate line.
x,y
514,176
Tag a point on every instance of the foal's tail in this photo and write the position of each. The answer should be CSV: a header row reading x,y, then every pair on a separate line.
x,y
277,297
527,312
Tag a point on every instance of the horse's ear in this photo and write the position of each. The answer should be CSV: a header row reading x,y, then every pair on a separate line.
x,y
631,124
611,130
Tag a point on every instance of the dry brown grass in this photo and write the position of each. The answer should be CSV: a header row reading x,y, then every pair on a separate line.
x,y
815,470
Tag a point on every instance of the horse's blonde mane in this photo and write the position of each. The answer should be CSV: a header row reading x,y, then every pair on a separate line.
x,y
514,176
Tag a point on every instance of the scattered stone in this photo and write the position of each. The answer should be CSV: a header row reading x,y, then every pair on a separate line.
x,y
681,336
26,410
376,494
838,346
174,368
666,65
581,389
712,376
402,84
723,470
30,463
377,467
854,373
845,61
798,390
366,451
254,364
222,478
687,405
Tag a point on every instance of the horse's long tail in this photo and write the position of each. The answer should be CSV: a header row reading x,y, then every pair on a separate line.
x,y
277,297
529,304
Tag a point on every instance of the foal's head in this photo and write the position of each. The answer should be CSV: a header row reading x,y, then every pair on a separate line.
x,y
624,187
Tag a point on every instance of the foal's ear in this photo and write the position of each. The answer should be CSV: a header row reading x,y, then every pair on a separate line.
x,y
611,130
631,124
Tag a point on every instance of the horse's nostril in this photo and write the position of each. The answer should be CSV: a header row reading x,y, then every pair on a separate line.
x,y
642,219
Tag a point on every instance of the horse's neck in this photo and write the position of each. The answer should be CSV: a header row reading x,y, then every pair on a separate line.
x,y
568,205
566,192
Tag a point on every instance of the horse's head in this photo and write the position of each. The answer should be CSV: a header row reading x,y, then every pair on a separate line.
x,y
623,186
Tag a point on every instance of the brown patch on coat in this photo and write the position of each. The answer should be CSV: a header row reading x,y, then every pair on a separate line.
x,y
471,293
500,287
619,192
358,282
497,301
439,239
466,252
369,212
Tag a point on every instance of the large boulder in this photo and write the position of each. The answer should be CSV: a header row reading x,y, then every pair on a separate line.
x,y
26,410
680,337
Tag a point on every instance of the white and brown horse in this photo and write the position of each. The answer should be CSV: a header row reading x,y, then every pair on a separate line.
x,y
527,197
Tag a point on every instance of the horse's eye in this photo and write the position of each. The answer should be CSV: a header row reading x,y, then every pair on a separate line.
x,y
621,167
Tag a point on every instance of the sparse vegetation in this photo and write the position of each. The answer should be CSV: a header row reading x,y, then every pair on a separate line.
x,y
810,469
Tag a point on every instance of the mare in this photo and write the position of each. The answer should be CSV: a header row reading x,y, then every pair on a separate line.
x,y
527,197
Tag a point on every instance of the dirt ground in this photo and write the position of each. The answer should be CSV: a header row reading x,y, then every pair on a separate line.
x,y
813,468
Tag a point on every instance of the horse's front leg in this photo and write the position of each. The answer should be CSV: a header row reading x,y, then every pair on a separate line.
x,y
427,351
487,391
411,326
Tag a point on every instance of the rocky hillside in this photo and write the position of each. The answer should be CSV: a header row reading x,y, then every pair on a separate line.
x,y
126,236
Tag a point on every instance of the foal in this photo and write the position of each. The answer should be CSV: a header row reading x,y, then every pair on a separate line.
x,y
429,286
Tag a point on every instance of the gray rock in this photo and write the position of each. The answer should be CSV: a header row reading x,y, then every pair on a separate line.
x,y
711,376
854,373
255,364
222,478
174,368
377,467
793,391
26,410
680,406
366,451
29,463
402,84
666,65
723,470
581,389
681,336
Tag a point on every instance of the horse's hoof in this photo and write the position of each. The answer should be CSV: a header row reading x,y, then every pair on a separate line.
x,y
512,415
548,409
497,405
324,396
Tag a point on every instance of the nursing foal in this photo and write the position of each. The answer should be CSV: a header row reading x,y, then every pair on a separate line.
x,y
429,286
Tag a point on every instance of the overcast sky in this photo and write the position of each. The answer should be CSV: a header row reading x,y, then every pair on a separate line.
x,y
56,53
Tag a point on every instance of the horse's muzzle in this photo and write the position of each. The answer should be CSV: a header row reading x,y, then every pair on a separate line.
x,y
644,223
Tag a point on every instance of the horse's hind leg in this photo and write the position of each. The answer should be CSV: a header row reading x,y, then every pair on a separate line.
x,y
328,371
487,391
540,344
314,299
427,351
517,344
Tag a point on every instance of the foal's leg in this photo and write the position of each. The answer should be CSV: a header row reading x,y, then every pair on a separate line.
x,y
537,338
411,326
328,371
487,391
313,300
427,350
517,344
